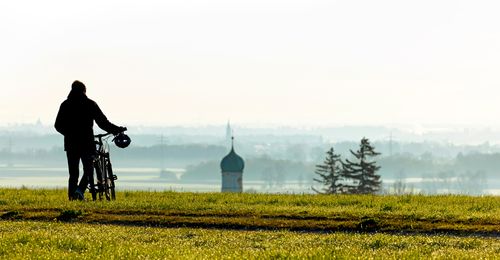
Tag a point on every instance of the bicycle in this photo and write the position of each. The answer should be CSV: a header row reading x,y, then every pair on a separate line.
x,y
105,185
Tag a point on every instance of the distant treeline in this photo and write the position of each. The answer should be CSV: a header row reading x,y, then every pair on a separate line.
x,y
273,172
392,167
197,156
152,156
427,165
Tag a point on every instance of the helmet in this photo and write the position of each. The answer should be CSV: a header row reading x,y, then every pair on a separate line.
x,y
122,140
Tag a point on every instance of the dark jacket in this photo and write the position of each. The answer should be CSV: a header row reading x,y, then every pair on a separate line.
x,y
75,120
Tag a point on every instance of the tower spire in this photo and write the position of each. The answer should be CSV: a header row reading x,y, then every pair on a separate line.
x,y
229,131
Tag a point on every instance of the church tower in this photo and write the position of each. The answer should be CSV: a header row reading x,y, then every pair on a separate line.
x,y
232,166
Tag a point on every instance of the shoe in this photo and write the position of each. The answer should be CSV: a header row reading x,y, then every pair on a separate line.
x,y
79,195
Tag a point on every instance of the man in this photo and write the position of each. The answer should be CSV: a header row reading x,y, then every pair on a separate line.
x,y
75,120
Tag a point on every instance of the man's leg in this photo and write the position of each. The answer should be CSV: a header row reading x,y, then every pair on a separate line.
x,y
88,171
74,172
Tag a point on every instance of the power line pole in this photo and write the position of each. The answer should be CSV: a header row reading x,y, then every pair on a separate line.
x,y
9,153
162,153
390,145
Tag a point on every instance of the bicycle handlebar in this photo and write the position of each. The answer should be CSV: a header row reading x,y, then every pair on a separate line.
x,y
106,134
102,135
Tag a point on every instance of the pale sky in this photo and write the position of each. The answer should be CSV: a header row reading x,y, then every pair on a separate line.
x,y
254,62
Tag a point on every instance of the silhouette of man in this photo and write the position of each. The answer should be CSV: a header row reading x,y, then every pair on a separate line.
x,y
75,121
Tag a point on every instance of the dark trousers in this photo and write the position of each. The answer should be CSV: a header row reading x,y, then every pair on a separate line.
x,y
74,158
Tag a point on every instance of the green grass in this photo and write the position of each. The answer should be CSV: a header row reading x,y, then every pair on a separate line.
x,y
43,224
57,240
411,214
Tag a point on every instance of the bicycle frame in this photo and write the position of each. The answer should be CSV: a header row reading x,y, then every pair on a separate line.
x,y
104,183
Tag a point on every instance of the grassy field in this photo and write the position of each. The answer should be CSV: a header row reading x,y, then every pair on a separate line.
x,y
41,223
52,240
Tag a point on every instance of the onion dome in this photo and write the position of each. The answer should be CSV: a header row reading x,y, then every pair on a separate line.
x,y
232,162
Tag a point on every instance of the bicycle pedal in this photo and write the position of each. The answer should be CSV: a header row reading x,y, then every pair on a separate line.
x,y
115,177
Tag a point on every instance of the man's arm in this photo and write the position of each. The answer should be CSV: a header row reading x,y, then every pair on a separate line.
x,y
103,122
60,123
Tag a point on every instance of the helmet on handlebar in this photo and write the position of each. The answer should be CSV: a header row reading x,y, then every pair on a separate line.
x,y
122,140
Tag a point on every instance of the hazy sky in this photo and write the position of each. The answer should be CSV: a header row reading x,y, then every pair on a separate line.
x,y
256,61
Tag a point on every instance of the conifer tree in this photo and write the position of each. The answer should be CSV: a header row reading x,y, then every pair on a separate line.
x,y
330,173
363,170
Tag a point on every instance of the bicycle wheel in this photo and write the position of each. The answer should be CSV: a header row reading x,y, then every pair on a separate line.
x,y
98,172
92,184
112,179
106,181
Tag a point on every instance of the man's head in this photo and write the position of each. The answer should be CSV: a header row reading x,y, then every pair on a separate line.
x,y
78,87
